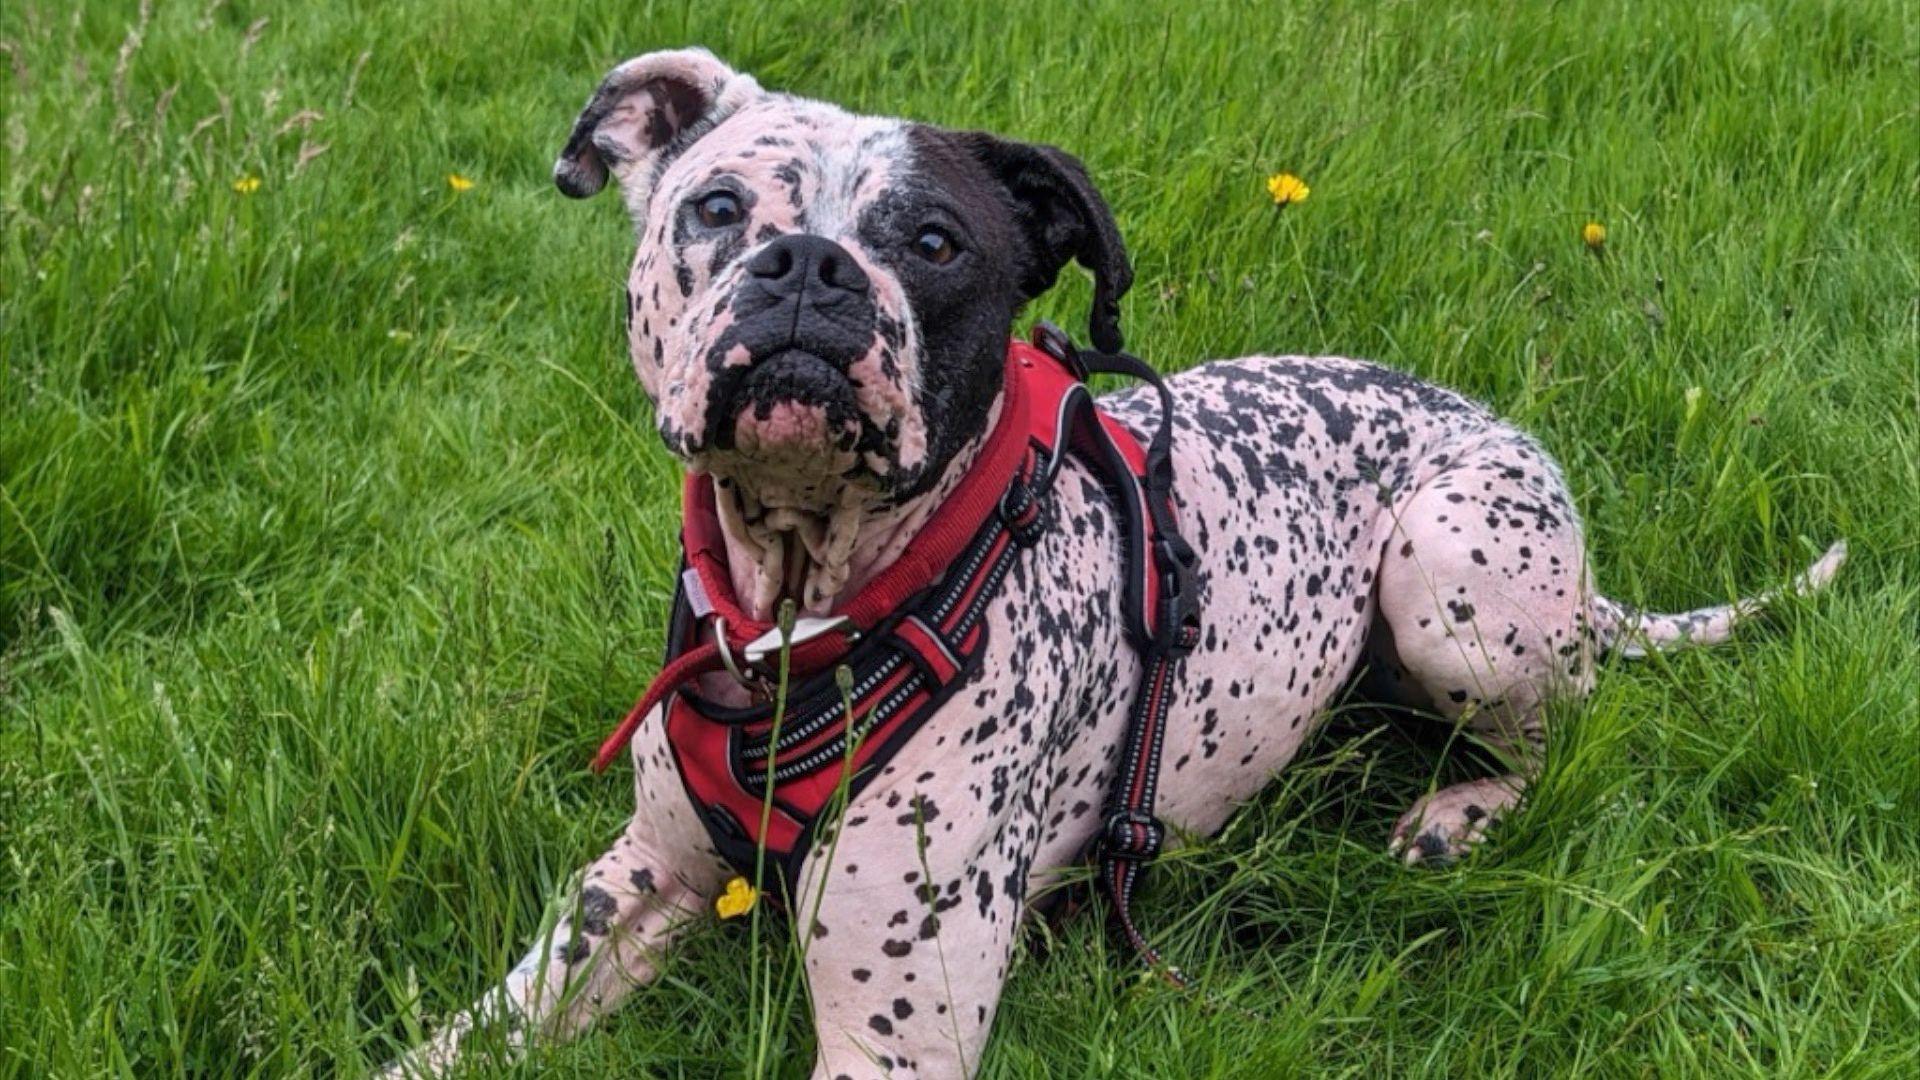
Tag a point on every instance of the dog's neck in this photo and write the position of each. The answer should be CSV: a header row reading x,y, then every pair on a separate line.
x,y
819,544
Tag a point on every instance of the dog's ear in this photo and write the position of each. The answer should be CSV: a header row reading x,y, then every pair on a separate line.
x,y
645,112
1062,216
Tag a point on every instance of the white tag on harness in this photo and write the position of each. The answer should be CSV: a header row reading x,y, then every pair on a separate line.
x,y
696,593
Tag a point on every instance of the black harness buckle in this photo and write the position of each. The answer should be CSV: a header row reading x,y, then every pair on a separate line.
x,y
1178,631
1132,836
1054,341
1024,513
1174,554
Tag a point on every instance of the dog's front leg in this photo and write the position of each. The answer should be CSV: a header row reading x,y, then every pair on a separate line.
x,y
915,933
630,905
651,884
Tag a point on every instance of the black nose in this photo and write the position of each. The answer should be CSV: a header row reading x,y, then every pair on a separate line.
x,y
794,263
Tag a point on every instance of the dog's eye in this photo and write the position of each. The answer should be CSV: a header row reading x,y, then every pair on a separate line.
x,y
719,210
935,246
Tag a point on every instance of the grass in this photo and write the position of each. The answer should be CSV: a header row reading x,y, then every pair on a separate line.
x,y
332,539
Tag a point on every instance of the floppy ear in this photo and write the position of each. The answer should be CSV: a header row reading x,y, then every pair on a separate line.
x,y
645,112
1062,217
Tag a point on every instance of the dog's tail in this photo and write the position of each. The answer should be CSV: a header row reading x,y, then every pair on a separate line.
x,y
1632,633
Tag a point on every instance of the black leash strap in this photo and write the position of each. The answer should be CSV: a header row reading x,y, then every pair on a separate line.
x,y
1132,836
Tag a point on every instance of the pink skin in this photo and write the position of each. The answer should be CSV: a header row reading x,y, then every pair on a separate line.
x,y
788,426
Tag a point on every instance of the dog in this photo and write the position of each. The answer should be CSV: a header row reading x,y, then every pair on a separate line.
x,y
819,310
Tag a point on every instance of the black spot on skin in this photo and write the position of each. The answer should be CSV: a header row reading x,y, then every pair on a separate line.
x,y
642,881
788,174
902,1008
861,974
880,1024
1475,812
983,889
1432,845
896,948
926,812
596,910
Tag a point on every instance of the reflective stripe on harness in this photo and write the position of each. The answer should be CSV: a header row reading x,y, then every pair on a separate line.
x,y
762,783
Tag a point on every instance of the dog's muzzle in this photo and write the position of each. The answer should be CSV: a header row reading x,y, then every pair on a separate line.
x,y
805,314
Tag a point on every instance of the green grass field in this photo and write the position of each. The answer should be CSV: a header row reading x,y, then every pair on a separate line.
x,y
333,536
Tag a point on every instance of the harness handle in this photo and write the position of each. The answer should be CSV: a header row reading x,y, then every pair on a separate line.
x,y
1176,629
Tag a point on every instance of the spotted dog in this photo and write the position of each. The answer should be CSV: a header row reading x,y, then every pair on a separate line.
x,y
819,309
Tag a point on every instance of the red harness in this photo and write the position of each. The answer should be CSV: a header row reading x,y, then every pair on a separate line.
x,y
763,780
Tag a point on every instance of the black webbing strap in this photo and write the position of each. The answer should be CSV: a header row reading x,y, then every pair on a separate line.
x,y
1132,836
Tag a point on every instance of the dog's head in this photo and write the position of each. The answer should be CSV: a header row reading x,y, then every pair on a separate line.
x,y
820,298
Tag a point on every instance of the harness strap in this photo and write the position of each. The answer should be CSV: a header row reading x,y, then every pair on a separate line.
x,y
1132,836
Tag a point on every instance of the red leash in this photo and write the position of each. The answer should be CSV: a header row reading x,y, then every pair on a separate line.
x,y
689,665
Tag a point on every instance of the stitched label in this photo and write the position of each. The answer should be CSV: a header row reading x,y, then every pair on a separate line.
x,y
696,593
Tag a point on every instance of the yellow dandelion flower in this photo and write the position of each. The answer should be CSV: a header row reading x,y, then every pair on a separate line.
x,y
1287,189
1594,235
459,183
738,899
247,185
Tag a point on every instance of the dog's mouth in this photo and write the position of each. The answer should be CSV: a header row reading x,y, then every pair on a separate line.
x,y
790,401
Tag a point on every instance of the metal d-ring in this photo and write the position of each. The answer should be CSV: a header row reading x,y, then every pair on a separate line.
x,y
726,654
759,650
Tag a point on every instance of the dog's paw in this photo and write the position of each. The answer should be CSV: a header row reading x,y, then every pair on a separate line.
x,y
438,1057
1445,825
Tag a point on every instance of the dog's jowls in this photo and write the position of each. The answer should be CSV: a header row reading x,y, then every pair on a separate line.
x,y
818,307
